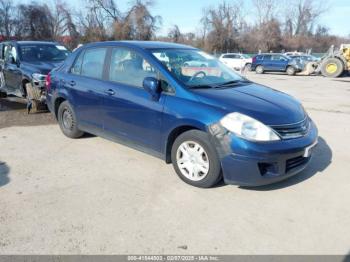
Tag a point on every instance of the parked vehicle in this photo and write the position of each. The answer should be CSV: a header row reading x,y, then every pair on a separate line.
x,y
210,123
276,63
196,63
236,61
305,58
24,66
335,62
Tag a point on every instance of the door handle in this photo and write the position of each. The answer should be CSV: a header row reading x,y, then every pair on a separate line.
x,y
110,92
72,83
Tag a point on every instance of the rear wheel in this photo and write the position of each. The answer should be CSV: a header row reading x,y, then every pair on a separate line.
x,y
290,70
332,67
67,121
259,69
195,160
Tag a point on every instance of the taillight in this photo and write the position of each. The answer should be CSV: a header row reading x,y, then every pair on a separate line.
x,y
48,82
254,59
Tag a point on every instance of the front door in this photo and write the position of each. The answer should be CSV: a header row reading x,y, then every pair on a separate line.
x,y
129,111
12,73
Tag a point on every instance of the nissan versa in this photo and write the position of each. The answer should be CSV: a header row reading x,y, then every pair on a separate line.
x,y
209,122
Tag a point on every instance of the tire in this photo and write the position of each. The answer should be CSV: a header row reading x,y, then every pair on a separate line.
x,y
290,71
332,67
67,121
3,93
208,160
248,67
259,69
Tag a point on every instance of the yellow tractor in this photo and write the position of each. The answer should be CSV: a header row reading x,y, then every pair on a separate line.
x,y
335,63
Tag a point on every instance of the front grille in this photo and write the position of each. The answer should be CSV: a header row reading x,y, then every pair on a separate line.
x,y
293,130
296,162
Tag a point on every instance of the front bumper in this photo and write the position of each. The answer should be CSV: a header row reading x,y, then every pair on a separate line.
x,y
38,91
248,163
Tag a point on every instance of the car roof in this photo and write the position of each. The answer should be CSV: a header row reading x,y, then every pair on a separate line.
x,y
143,44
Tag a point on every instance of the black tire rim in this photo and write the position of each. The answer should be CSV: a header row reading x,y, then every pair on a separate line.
x,y
67,120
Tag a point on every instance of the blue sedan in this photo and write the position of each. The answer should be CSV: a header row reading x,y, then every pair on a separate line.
x,y
209,122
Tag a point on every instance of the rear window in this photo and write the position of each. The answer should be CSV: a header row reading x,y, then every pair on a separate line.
x,y
90,63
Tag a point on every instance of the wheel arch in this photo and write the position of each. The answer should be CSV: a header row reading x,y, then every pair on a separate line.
x,y
24,81
57,102
174,133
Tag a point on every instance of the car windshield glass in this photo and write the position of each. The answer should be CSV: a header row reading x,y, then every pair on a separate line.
x,y
195,68
246,56
42,52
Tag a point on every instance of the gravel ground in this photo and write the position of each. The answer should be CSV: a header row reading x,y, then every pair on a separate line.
x,y
93,196
13,112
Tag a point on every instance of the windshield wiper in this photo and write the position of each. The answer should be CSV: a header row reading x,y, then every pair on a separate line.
x,y
231,83
201,87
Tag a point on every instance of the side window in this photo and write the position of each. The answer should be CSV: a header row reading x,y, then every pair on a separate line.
x,y
267,57
93,62
8,53
130,68
76,68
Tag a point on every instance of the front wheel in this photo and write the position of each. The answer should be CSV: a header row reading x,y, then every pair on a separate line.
x,y
195,160
259,69
291,71
67,121
332,67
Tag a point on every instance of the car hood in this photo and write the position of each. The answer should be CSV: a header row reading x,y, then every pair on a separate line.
x,y
41,67
267,105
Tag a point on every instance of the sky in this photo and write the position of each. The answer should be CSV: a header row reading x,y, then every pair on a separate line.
x,y
187,13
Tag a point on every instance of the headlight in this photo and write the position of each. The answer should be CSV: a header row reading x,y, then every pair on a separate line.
x,y
248,127
38,77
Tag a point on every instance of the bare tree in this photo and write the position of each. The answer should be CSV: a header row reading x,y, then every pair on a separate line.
x,y
7,21
222,26
175,34
36,22
265,10
141,23
301,17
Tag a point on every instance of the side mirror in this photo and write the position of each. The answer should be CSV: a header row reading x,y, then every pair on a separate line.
x,y
152,86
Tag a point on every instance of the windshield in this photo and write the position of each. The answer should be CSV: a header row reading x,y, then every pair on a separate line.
x,y
195,68
246,56
43,53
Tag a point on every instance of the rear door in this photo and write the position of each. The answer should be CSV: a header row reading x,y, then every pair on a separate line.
x,y
128,110
278,63
267,63
85,86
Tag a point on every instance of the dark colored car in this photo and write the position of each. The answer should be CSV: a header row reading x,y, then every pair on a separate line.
x,y
275,63
24,66
208,121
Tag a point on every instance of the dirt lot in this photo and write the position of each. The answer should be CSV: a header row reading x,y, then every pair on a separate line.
x,y
97,197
